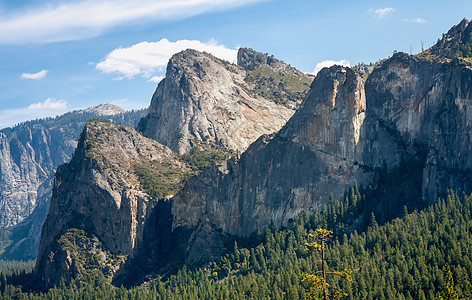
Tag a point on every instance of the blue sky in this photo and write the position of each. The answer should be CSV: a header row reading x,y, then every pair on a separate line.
x,y
58,55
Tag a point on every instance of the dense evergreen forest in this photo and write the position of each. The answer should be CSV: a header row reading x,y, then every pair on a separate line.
x,y
401,259
394,254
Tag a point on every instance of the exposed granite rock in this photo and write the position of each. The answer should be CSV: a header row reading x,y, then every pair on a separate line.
x,y
105,109
313,156
100,191
203,98
29,156
411,107
429,103
20,174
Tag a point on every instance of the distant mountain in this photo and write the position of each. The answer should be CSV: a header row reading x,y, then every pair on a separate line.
x,y
29,155
105,109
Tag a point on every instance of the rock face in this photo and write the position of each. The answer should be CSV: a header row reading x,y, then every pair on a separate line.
x,y
29,156
428,103
203,98
100,192
316,154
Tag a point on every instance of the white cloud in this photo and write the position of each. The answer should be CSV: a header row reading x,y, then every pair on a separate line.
x,y
146,58
383,12
35,76
48,108
415,20
75,20
49,103
329,63
156,79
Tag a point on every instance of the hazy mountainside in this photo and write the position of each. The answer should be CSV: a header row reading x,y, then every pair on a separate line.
x,y
29,154
412,112
203,98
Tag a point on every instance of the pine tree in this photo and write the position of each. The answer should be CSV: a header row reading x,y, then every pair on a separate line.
x,y
315,283
449,292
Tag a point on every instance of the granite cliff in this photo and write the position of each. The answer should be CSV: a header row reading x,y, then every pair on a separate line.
x,y
203,98
104,194
202,102
316,154
429,103
29,155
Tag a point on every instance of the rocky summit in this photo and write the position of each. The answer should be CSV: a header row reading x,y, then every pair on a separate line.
x,y
203,98
105,193
29,155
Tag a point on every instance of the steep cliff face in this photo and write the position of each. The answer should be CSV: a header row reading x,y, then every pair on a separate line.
x,y
20,174
313,156
101,191
29,155
203,98
428,102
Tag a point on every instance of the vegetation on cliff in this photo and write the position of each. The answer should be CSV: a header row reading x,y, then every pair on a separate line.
x,y
281,87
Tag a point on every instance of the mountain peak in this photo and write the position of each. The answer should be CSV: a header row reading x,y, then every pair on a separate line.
x,y
250,59
105,109
203,98
457,42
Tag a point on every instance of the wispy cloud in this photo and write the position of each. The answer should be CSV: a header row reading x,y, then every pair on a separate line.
x,y
381,13
35,76
329,63
145,59
88,18
49,103
47,108
156,79
415,20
